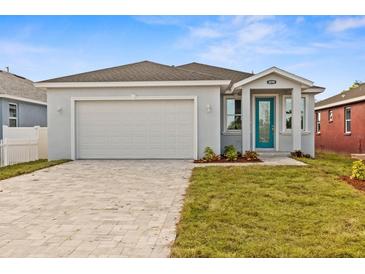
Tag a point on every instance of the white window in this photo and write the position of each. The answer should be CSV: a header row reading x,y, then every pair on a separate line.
x,y
330,116
288,113
13,115
232,114
347,120
302,113
318,122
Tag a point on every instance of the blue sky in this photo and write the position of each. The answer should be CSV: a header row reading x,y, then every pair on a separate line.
x,y
330,50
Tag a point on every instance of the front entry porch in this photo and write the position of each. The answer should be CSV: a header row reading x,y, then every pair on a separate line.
x,y
264,120
270,113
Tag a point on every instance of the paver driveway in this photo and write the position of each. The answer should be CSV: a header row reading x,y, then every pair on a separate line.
x,y
107,208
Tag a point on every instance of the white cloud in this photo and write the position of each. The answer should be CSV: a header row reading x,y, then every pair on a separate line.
x,y
343,43
345,23
230,39
222,53
239,19
205,32
240,37
256,32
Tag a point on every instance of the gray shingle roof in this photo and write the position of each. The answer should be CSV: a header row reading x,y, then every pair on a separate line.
x,y
141,71
14,85
233,75
337,99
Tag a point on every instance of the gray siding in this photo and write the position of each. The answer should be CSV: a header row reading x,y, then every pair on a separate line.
x,y
29,114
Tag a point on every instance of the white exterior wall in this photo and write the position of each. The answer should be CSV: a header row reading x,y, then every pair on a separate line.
x,y
59,113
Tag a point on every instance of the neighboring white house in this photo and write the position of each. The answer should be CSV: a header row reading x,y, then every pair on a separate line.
x,y
147,110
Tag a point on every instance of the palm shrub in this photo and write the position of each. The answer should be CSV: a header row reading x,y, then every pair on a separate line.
x,y
230,153
358,170
209,155
228,148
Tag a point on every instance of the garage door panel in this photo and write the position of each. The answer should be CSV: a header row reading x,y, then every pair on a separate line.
x,y
135,129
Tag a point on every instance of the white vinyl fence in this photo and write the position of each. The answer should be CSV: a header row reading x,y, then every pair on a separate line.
x,y
23,144
15,151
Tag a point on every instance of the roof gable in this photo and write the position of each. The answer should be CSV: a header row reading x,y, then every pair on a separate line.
x,y
274,70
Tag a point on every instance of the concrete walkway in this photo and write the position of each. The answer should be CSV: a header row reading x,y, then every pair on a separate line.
x,y
93,209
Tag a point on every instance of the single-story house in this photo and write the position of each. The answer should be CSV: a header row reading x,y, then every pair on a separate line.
x,y
21,103
340,122
148,110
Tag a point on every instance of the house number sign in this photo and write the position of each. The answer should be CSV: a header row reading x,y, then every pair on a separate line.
x,y
271,82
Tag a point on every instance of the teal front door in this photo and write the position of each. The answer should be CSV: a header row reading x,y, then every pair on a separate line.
x,y
265,122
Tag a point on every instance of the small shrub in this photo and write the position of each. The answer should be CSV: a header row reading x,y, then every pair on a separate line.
x,y
230,153
250,155
209,155
358,170
229,148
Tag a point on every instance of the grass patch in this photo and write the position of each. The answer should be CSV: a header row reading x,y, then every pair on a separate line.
x,y
28,167
281,211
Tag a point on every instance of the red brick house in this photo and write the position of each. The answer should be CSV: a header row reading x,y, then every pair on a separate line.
x,y
340,122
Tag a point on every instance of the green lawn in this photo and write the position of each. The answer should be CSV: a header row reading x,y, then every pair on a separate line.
x,y
23,168
283,211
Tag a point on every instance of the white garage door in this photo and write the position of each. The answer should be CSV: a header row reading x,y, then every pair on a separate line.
x,y
138,129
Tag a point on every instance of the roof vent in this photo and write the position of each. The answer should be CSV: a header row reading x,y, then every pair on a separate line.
x,y
7,69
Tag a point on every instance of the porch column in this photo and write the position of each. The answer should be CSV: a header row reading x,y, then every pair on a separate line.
x,y
296,119
246,119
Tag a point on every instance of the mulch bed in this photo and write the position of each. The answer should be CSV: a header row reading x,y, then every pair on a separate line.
x,y
223,160
358,184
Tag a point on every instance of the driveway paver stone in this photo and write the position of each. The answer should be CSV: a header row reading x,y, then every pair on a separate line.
x,y
93,208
